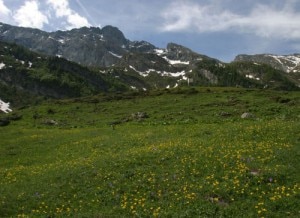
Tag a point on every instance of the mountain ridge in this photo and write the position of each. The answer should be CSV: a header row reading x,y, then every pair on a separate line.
x,y
287,63
122,64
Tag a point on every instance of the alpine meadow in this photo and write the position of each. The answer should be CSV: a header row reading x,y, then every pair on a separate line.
x,y
184,152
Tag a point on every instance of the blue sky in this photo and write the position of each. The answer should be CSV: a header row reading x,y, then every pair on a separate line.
x,y
218,28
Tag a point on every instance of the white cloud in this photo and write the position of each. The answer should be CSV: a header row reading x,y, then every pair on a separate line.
x,y
4,12
3,9
268,22
263,20
29,15
63,10
194,17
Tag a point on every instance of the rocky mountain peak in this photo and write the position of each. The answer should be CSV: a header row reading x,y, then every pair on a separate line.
x,y
141,46
181,53
175,48
114,34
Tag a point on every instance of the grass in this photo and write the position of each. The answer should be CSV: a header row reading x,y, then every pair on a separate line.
x,y
193,157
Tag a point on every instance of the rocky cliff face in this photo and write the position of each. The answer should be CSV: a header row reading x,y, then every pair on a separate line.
x,y
86,46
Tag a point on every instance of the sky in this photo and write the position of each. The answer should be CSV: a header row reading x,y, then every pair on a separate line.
x,y
220,29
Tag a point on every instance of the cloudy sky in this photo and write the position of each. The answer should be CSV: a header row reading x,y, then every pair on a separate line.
x,y
217,28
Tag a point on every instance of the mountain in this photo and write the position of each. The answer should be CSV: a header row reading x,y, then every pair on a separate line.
x,y
91,46
26,73
98,47
287,63
91,60
290,64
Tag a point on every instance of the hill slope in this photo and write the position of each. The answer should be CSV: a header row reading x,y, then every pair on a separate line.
x,y
191,156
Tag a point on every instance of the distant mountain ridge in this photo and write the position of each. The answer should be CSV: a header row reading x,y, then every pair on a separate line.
x,y
290,64
287,63
106,62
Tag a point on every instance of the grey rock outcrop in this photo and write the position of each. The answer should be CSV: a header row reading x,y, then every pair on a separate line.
x,y
248,116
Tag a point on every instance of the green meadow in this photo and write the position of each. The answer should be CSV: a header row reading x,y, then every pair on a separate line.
x,y
188,153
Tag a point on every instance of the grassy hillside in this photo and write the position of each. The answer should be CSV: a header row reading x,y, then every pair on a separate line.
x,y
188,154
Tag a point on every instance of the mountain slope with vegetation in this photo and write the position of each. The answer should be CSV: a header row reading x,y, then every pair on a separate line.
x,y
23,71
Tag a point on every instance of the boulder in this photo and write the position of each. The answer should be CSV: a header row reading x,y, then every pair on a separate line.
x,y
247,116
50,122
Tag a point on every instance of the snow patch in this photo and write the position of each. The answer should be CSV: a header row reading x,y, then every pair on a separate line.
x,y
249,76
182,73
2,66
292,59
150,70
162,73
252,77
29,64
276,58
159,51
144,74
221,65
101,38
113,54
173,62
5,107
62,41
